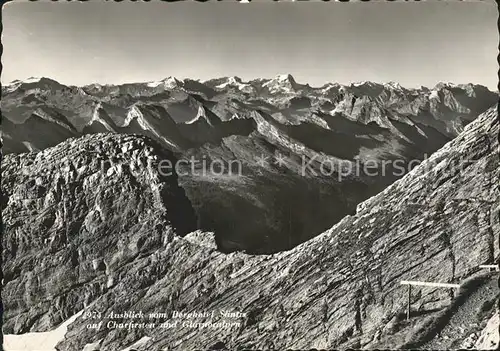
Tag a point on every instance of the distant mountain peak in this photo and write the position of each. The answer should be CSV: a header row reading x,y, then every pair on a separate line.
x,y
445,85
329,86
283,77
171,79
168,82
33,83
394,85
237,82
234,79
282,82
362,83
29,80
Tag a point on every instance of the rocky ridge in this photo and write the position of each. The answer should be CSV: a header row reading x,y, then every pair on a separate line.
x,y
341,289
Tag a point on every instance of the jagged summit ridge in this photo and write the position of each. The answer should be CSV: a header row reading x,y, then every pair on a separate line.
x,y
172,82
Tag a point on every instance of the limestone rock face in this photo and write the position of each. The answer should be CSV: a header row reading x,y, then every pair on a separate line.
x,y
342,288
76,217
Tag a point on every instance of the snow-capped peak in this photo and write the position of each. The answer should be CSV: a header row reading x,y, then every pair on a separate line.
x,y
285,77
329,86
237,83
434,95
360,84
154,84
171,82
394,85
445,85
284,83
31,80
33,83
234,80
168,83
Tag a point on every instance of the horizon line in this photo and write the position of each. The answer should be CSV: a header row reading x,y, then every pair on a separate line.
x,y
416,86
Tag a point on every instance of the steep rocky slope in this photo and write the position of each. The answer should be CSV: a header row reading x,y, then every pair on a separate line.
x,y
340,289
75,217
289,143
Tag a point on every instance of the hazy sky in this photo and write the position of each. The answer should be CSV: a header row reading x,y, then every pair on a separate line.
x,y
413,43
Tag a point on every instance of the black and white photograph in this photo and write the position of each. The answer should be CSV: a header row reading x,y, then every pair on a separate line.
x,y
264,175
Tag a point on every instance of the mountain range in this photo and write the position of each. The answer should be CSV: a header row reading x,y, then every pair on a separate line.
x,y
290,142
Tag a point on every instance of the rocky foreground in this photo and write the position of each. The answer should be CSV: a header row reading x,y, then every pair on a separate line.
x,y
76,216
113,239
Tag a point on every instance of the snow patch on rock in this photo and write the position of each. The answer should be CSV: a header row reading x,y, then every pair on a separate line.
x,y
45,341
142,341
490,336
